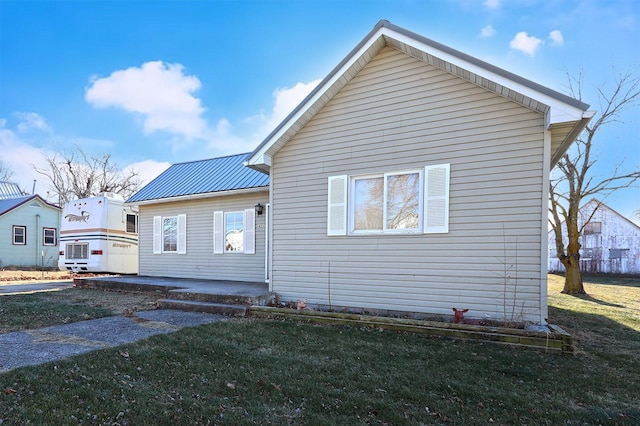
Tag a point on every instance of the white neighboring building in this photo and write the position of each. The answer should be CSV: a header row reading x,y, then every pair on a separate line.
x,y
610,242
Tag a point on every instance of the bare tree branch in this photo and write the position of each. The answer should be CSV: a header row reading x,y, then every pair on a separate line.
x,y
573,181
78,175
5,171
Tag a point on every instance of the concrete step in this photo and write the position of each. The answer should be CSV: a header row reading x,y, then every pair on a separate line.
x,y
114,285
206,307
225,299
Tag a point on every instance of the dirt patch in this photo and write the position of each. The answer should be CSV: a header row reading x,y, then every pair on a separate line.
x,y
119,303
27,275
8,276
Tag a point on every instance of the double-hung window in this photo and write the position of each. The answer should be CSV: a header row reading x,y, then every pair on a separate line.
x,y
234,232
170,234
19,235
405,202
49,236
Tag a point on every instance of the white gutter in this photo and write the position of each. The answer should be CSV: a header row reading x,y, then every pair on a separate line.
x,y
199,196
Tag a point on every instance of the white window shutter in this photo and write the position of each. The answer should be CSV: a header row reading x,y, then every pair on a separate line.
x,y
436,199
249,233
182,234
157,234
218,232
337,205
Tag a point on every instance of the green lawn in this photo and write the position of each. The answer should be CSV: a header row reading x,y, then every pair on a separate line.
x,y
285,372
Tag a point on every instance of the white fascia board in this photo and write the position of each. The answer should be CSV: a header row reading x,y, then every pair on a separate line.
x,y
560,111
199,196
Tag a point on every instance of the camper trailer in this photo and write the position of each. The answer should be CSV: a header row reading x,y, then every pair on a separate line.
x,y
99,234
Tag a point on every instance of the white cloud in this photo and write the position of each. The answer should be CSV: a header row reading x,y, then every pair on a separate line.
x,y
119,90
628,22
284,101
22,157
31,121
556,38
526,43
223,140
487,31
162,94
492,4
147,170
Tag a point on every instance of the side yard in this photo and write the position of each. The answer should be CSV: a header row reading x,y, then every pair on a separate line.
x,y
12,275
284,372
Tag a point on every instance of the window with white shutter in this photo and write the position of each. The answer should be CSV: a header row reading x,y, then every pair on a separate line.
x,y
337,209
234,232
249,233
218,232
157,234
170,234
406,202
182,234
436,214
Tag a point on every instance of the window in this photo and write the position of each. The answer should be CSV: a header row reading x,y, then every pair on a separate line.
x,y
386,203
19,235
234,232
170,234
399,202
618,254
132,223
592,228
49,236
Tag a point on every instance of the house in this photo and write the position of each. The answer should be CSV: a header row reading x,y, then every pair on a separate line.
x,y
199,220
412,180
9,190
28,232
610,242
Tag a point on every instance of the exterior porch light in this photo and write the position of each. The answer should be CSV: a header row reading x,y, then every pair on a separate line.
x,y
259,209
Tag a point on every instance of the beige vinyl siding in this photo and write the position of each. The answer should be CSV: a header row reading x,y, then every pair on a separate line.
x,y
199,261
401,114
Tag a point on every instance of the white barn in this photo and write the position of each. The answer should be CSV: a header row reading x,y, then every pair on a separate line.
x,y
610,242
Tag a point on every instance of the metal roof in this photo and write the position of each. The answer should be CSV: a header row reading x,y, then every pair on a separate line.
x,y
12,203
202,177
9,190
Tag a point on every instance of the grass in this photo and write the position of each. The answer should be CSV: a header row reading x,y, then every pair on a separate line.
x,y
31,311
284,372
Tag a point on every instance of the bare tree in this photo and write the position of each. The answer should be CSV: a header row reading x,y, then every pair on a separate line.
x,y
5,172
79,175
573,181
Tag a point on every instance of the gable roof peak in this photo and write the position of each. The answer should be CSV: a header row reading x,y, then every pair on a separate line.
x,y
567,114
204,160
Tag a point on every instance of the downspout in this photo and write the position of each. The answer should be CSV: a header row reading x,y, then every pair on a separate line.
x,y
544,228
37,228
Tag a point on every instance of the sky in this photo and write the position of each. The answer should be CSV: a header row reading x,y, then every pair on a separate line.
x,y
154,83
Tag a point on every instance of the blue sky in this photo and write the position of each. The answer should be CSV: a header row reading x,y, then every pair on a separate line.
x,y
159,82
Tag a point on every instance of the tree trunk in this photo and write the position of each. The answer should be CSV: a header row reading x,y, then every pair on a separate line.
x,y
573,277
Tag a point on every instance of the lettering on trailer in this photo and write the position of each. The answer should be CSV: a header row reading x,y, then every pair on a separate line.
x,y
84,216
118,245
